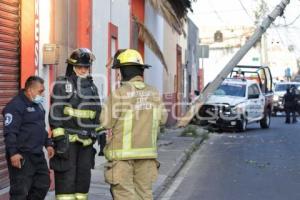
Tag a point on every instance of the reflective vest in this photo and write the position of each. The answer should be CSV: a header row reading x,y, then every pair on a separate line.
x,y
135,121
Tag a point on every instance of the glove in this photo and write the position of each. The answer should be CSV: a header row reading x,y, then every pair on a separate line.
x,y
61,162
61,146
101,139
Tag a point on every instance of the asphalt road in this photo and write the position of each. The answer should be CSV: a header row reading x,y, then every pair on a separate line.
x,y
255,165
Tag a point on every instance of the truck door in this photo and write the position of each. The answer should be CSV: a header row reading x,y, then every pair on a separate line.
x,y
254,101
258,102
250,104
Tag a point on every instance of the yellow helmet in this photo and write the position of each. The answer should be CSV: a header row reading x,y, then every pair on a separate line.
x,y
128,57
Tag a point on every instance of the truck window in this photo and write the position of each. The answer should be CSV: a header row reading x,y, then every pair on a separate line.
x,y
250,91
281,87
255,89
231,89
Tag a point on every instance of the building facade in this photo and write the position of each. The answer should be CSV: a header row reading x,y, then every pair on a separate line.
x,y
192,61
27,26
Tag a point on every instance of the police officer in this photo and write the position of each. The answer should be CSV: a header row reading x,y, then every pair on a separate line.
x,y
290,104
133,114
74,119
25,136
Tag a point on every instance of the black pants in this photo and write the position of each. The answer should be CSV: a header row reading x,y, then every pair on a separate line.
x,y
32,181
78,177
288,114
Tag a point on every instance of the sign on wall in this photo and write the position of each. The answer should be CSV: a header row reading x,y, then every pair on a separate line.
x,y
203,51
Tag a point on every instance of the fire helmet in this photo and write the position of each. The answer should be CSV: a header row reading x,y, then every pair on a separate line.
x,y
128,57
81,57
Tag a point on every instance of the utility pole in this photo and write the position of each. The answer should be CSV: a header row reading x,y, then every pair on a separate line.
x,y
259,13
278,11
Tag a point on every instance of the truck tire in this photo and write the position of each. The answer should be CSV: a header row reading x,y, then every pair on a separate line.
x,y
242,124
265,122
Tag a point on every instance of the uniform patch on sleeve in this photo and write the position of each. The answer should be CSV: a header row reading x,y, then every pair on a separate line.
x,y
8,119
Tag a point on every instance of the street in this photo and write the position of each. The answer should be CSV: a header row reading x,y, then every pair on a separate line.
x,y
107,98
258,164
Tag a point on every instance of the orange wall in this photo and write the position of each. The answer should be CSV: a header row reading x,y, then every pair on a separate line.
x,y
84,23
52,40
28,34
138,10
27,39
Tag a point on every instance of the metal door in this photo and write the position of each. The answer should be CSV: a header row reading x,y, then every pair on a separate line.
x,y
9,67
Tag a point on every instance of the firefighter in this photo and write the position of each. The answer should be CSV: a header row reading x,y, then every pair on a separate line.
x,y
25,136
133,114
74,120
290,104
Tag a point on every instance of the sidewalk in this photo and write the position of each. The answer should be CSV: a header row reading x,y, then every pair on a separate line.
x,y
174,151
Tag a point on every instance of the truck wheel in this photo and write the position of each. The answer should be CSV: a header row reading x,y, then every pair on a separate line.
x,y
265,122
242,124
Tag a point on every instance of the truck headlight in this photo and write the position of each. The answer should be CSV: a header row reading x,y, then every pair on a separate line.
x,y
275,98
236,109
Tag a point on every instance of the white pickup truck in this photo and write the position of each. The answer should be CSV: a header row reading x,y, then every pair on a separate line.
x,y
236,103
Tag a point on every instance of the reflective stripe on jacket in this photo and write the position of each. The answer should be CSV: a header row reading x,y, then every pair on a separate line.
x,y
134,113
75,104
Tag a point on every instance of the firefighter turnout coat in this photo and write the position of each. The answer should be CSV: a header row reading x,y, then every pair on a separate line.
x,y
75,108
134,112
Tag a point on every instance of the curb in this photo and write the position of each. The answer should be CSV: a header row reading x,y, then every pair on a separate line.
x,y
180,162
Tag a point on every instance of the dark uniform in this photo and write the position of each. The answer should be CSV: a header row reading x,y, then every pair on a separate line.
x,y
290,105
74,119
25,134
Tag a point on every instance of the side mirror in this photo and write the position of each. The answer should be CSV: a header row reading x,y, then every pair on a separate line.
x,y
253,96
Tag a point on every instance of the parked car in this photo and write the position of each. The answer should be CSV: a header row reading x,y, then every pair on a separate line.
x,y
279,91
296,78
236,103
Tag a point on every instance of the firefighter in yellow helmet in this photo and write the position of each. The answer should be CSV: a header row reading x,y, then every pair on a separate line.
x,y
133,113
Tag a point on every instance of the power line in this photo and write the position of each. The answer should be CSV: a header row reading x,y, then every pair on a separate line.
x,y
246,11
280,38
285,44
294,20
286,24
289,24
216,12
220,11
287,32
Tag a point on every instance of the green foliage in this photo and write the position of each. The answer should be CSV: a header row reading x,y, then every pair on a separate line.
x,y
205,136
190,131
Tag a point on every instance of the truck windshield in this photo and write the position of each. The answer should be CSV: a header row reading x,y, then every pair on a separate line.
x,y
237,90
283,87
